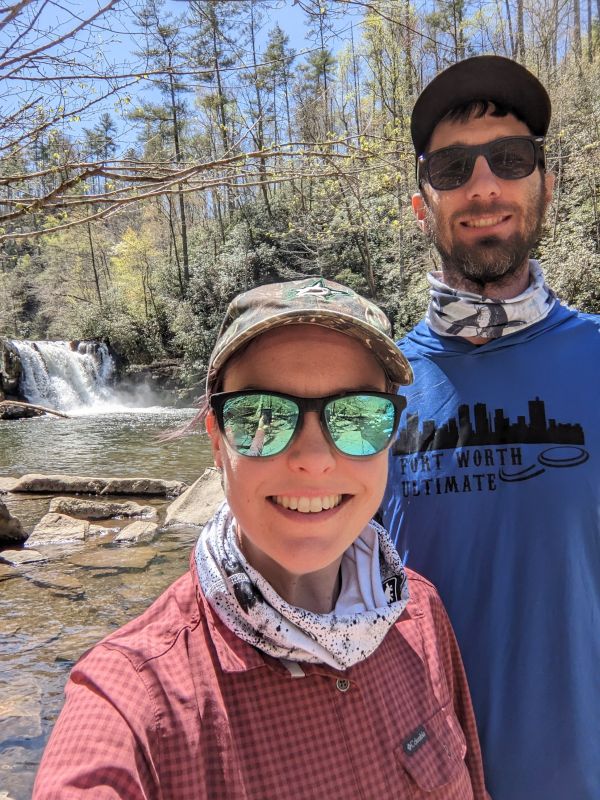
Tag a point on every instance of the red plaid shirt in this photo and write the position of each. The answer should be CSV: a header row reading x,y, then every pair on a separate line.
x,y
174,706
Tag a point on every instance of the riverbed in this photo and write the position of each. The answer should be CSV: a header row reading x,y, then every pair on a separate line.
x,y
52,611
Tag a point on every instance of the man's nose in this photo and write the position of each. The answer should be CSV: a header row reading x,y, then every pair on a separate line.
x,y
483,182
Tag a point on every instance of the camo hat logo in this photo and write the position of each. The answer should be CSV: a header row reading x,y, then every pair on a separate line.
x,y
310,301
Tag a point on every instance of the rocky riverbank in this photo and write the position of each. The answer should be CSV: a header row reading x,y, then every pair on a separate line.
x,y
79,556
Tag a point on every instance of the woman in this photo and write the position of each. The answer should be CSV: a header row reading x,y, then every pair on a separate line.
x,y
289,662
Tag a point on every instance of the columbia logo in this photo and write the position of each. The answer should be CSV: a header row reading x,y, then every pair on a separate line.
x,y
415,740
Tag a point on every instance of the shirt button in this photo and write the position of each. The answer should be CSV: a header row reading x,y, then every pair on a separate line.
x,y
342,685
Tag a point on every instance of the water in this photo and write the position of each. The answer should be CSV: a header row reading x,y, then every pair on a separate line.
x,y
120,444
51,612
66,376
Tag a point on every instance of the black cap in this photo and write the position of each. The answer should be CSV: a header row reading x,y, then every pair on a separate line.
x,y
495,78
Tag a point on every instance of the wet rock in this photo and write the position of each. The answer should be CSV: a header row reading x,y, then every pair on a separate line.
x,y
137,531
8,628
20,709
7,572
26,640
18,557
54,528
74,645
11,530
75,484
58,583
134,558
97,509
197,505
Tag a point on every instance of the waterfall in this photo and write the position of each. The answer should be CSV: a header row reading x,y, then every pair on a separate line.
x,y
67,376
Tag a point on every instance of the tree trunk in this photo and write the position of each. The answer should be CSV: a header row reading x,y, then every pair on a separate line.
x,y
94,268
520,31
577,29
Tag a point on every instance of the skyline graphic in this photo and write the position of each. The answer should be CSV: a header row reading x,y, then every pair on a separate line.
x,y
483,427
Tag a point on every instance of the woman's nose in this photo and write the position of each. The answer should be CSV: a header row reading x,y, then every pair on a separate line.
x,y
311,451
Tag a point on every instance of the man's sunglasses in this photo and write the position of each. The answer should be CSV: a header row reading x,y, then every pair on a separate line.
x,y
509,158
259,423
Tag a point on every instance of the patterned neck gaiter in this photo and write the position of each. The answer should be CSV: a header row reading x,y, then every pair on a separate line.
x,y
373,595
455,313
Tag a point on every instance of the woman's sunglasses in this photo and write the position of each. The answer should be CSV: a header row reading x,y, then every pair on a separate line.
x,y
509,158
259,423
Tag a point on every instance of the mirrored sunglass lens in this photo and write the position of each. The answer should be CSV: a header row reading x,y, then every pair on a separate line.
x,y
259,424
513,158
450,168
360,425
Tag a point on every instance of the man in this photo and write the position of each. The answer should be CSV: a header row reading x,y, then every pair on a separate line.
x,y
494,489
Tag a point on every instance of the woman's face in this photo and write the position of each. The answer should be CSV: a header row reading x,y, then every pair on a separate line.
x,y
306,361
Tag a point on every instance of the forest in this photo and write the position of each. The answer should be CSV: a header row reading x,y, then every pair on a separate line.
x,y
158,157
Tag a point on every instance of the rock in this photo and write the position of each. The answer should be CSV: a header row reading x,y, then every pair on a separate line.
x,y
133,558
20,709
10,410
146,486
18,557
197,505
96,509
10,368
55,528
11,530
57,582
7,572
57,484
100,530
7,484
137,531
75,484
73,645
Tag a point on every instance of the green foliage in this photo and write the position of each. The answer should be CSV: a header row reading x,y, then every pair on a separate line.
x,y
155,279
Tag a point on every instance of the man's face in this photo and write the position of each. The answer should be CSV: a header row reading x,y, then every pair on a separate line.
x,y
485,229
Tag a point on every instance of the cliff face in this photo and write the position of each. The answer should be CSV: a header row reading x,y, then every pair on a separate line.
x,y
10,371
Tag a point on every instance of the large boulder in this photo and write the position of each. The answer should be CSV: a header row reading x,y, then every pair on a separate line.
x,y
11,530
97,509
197,505
75,484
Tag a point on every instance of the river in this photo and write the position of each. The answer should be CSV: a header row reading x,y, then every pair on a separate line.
x,y
51,612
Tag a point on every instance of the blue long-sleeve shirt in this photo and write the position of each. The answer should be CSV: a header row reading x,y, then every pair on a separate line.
x,y
494,491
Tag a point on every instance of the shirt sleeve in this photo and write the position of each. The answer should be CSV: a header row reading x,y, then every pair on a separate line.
x,y
103,745
461,697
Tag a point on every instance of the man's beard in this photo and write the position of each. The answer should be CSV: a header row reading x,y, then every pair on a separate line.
x,y
492,259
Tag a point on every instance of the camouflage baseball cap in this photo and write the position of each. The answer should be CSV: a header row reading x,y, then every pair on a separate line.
x,y
310,301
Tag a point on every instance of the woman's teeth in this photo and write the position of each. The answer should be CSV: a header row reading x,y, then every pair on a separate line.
x,y
309,505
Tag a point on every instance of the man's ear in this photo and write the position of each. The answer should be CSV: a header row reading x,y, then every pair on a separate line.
x,y
419,210
215,439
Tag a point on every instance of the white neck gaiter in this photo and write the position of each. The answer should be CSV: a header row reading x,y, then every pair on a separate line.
x,y
373,595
